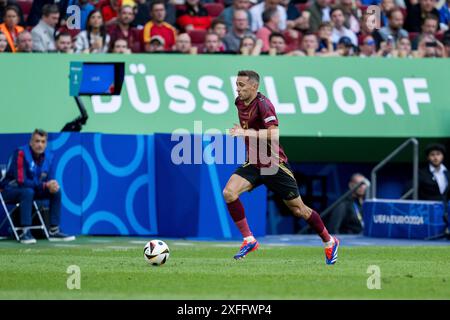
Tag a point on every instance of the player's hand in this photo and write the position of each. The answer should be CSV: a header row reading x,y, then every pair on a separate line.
x,y
52,186
237,131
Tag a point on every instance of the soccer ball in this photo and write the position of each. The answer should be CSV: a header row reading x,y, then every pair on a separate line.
x,y
156,252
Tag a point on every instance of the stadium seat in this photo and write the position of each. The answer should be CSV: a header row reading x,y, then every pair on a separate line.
x,y
197,36
214,9
302,6
292,43
413,35
180,7
25,5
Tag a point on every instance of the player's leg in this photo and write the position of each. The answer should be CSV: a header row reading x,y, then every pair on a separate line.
x,y
235,186
284,184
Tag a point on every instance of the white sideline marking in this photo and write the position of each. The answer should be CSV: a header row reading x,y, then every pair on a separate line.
x,y
138,242
65,245
183,243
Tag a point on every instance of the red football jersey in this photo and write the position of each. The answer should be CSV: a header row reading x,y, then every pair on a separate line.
x,y
259,114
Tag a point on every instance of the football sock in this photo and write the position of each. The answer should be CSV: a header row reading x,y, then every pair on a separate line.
x,y
316,223
238,215
249,238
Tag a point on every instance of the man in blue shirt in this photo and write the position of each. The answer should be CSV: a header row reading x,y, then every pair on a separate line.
x,y
28,177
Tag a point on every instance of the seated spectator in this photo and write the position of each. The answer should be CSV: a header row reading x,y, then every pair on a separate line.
x,y
368,47
444,16
295,19
368,27
156,44
430,47
447,43
4,4
10,27
404,49
184,44
347,217
64,43
36,10
387,48
157,26
320,11
278,46
394,26
416,13
194,17
110,11
351,13
271,19
339,30
3,43
85,8
429,28
434,176
43,32
25,42
250,45
345,47
143,13
120,46
228,13
257,11
212,43
122,30
310,44
239,30
94,39
29,177
386,6
326,45
219,27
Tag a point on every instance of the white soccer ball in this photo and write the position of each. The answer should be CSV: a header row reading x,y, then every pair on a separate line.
x,y
156,252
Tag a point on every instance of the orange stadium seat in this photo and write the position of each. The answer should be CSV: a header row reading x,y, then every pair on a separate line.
x,y
214,9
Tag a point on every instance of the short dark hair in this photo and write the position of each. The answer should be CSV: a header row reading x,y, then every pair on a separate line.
x,y
268,14
217,21
336,9
40,132
154,3
275,35
49,9
391,12
252,75
62,34
11,7
435,147
430,16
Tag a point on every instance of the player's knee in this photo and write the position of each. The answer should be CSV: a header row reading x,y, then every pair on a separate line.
x,y
229,195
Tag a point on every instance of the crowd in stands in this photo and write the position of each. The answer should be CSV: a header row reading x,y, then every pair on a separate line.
x,y
403,28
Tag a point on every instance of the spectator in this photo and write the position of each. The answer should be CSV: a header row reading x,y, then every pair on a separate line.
x,y
122,30
386,6
351,13
85,8
277,44
43,32
447,43
156,44
219,27
195,17
212,43
295,19
110,11
228,13
239,30
368,28
418,12
250,45
271,19
444,16
404,49
326,45
120,46
36,10
429,27
394,27
94,39
257,11
347,217
339,30
64,43
25,42
3,43
320,11
345,47
157,26
10,27
184,44
368,47
387,48
430,47
4,4
143,15
28,177
434,177
310,44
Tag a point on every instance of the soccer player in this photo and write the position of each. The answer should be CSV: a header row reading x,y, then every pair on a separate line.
x,y
259,123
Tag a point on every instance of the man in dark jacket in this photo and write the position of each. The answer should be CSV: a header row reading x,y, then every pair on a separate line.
x,y
434,177
347,217
29,177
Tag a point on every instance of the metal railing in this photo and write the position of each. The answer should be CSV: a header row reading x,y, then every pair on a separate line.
x,y
414,189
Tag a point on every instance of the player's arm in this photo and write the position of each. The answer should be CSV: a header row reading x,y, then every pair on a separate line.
x,y
271,131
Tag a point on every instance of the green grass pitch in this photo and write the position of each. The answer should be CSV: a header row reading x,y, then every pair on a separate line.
x,y
114,268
